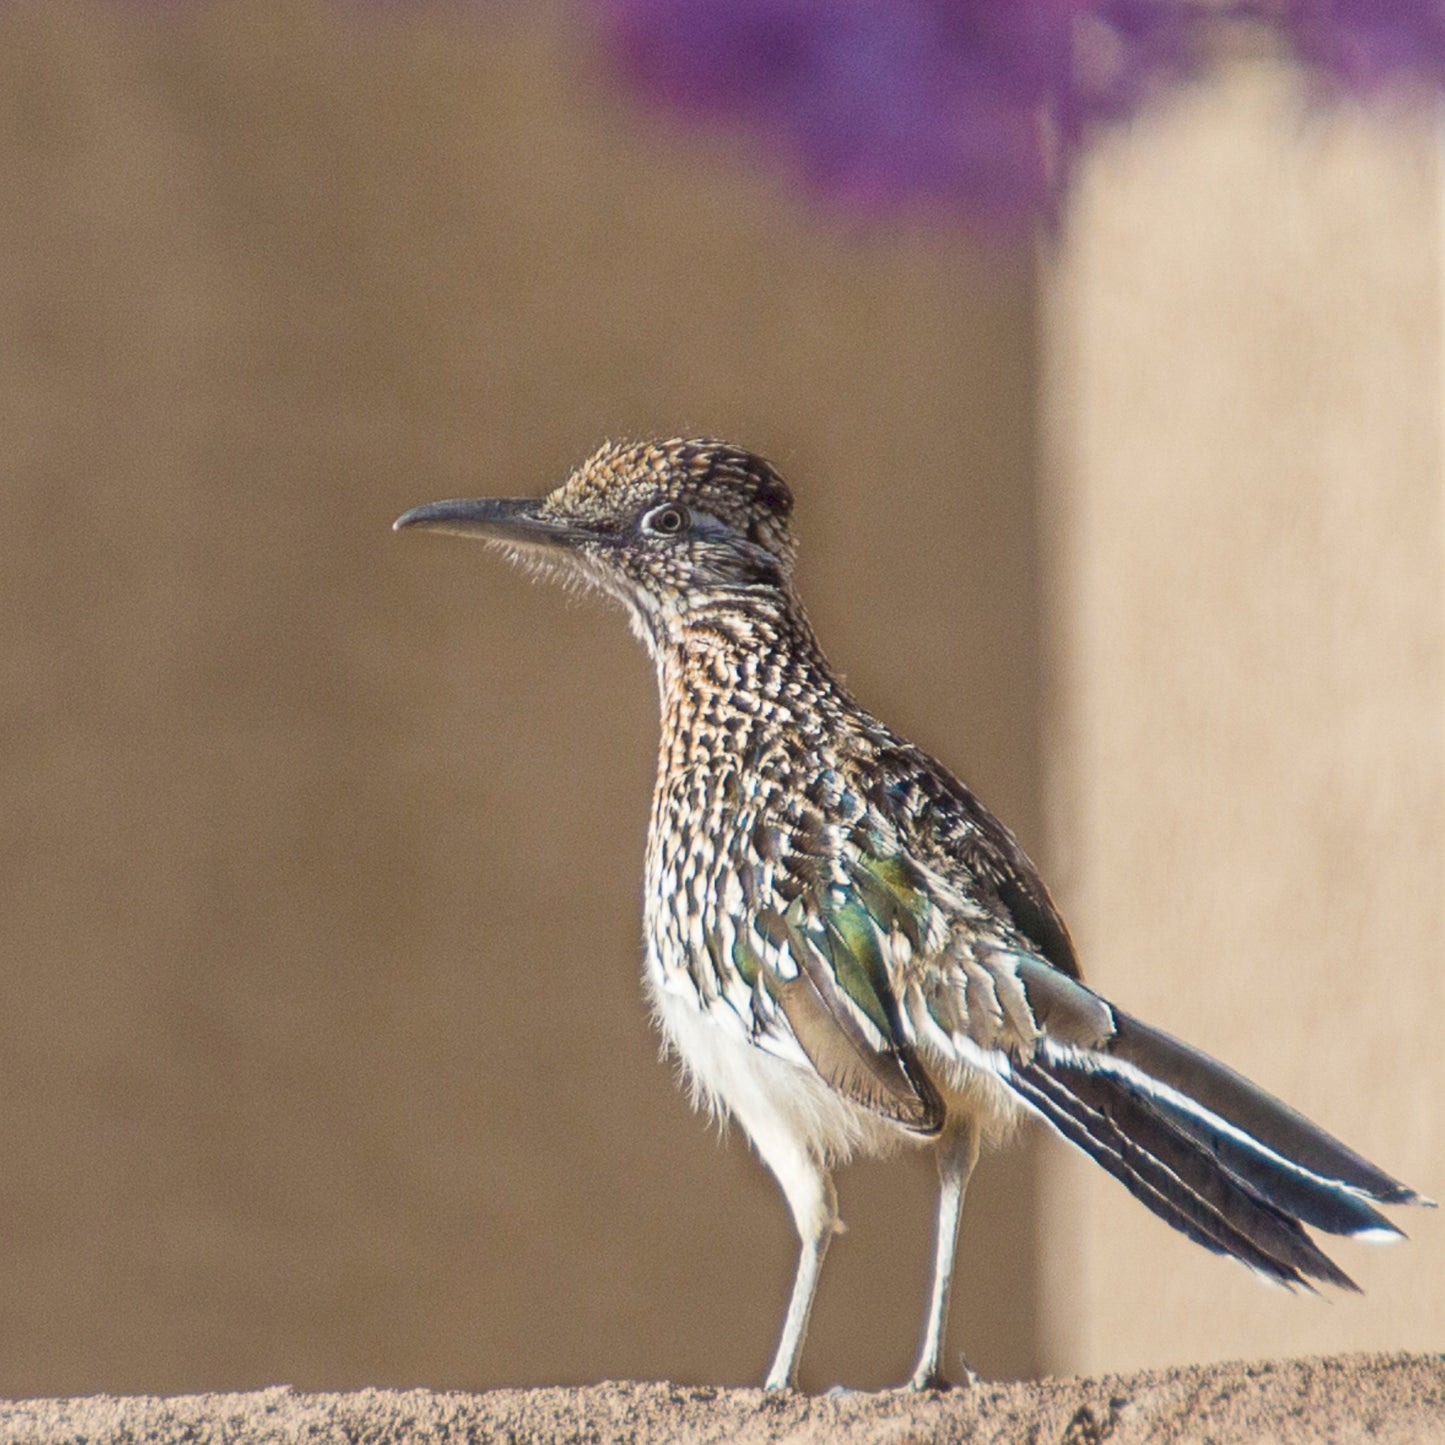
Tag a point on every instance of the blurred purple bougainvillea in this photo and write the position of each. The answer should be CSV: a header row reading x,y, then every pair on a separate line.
x,y
978,106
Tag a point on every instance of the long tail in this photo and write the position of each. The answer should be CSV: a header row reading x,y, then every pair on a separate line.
x,y
1231,1166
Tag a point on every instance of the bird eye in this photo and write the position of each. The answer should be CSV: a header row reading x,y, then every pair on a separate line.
x,y
666,521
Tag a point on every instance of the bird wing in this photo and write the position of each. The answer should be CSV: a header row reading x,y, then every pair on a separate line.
x,y
802,952
872,914
809,982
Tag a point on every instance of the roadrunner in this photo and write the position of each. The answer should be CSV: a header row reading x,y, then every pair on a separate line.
x,y
845,950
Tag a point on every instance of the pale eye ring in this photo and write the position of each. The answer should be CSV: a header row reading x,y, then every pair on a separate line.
x,y
668,520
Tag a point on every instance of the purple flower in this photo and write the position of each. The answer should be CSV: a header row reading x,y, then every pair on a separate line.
x,y
1366,44
977,105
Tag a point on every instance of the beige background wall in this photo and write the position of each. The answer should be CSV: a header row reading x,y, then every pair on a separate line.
x,y
1247,540
322,1054
321,1048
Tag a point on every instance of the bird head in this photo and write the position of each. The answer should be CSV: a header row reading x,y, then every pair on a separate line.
x,y
659,525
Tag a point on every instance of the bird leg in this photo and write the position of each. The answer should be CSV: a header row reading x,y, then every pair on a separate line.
x,y
957,1154
815,1212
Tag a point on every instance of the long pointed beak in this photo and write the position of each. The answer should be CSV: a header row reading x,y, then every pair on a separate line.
x,y
493,518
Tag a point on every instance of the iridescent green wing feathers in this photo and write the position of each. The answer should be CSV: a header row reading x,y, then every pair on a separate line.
x,y
855,954
821,966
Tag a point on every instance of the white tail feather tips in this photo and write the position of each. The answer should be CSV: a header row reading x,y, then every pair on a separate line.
x,y
1121,1068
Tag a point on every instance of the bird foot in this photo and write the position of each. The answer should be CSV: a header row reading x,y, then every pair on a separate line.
x,y
936,1380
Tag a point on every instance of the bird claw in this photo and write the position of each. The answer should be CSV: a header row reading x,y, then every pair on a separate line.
x,y
935,1380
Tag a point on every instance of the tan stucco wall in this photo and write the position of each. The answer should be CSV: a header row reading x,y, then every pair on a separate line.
x,y
321,1045
1246,521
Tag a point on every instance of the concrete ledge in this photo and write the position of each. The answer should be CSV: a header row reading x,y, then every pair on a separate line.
x,y
1343,1399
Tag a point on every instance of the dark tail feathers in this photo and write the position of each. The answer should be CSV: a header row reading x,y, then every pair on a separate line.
x,y
1212,1154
